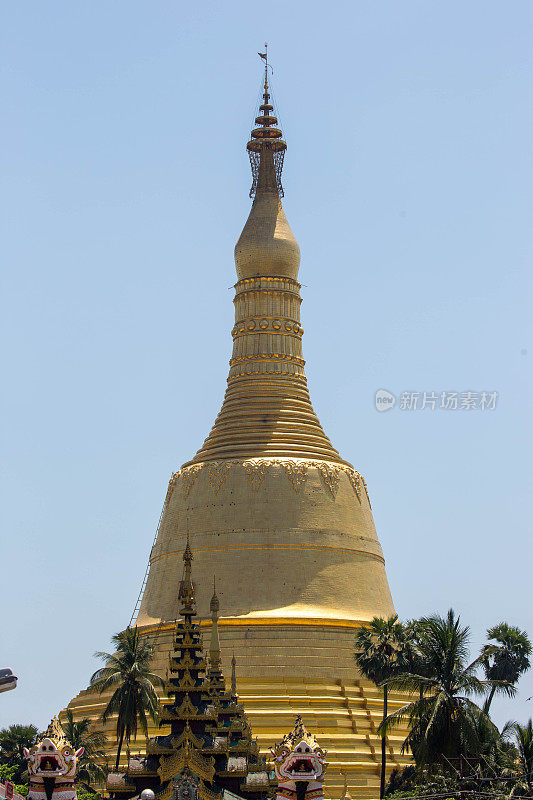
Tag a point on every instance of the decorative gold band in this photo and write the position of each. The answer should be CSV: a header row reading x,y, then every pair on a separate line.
x,y
277,546
239,622
257,279
266,324
269,357
271,292
294,334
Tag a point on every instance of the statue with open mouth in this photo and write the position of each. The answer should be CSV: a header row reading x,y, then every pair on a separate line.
x,y
299,764
52,766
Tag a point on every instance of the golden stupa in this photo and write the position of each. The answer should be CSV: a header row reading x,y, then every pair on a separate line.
x,y
279,516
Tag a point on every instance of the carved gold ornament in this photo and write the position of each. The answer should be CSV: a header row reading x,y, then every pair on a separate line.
x,y
256,471
187,681
188,477
171,486
218,472
296,471
330,476
355,480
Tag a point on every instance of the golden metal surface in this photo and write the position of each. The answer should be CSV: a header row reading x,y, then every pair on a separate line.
x,y
291,666
281,518
267,246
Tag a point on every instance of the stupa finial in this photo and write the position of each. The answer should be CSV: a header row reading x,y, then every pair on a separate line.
x,y
233,676
266,148
214,605
187,553
186,590
264,56
266,247
214,646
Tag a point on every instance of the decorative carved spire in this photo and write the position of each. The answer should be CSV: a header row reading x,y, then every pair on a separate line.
x,y
214,605
345,792
214,647
267,410
267,245
266,148
299,733
55,731
186,590
233,676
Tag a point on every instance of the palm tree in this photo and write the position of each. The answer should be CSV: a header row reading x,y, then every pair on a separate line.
x,y
127,671
506,660
79,734
379,650
414,659
444,720
13,740
496,754
523,736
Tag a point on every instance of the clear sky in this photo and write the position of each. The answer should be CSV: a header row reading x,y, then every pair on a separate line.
x,y
408,183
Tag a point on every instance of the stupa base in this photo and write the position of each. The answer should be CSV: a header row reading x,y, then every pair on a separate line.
x,y
288,667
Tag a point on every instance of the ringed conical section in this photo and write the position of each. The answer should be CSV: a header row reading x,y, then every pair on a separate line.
x,y
267,410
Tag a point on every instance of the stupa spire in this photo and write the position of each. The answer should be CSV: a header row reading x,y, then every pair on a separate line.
x,y
214,647
266,147
267,246
233,676
267,410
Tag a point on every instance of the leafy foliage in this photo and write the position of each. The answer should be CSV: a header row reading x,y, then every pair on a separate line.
x,y
455,743
505,659
9,774
79,734
401,780
523,738
13,740
443,720
440,785
88,795
127,673
380,649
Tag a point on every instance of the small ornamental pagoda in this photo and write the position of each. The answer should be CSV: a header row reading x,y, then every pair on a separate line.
x,y
209,748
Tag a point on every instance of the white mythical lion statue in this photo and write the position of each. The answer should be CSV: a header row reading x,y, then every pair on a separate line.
x,y
52,766
299,764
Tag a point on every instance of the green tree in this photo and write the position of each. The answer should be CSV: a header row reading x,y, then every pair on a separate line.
x,y
496,754
127,673
505,659
444,719
88,794
13,740
523,739
8,774
415,661
79,734
379,653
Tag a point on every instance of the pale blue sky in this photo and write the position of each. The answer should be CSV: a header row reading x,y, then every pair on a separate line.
x,y
408,184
